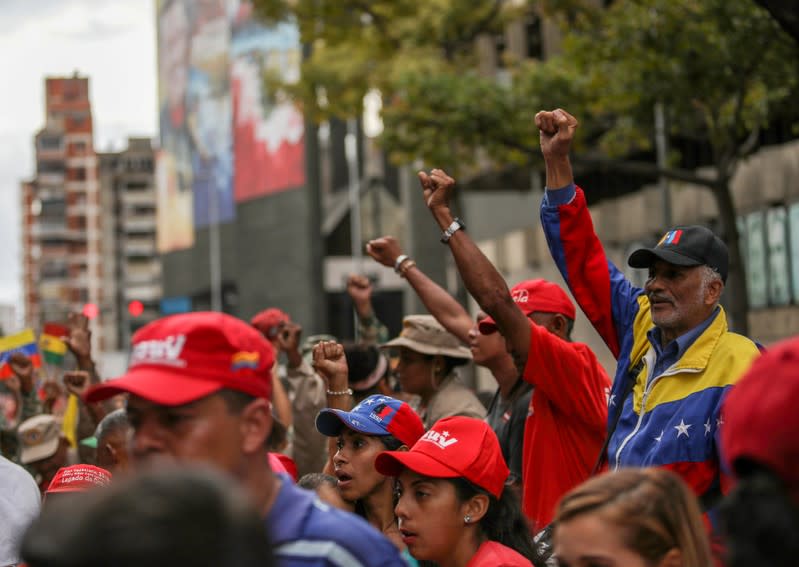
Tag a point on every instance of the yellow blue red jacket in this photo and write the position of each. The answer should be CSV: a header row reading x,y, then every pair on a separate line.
x,y
672,419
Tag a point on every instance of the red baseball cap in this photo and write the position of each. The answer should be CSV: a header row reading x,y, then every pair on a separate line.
x,y
182,358
760,420
454,447
535,295
269,321
78,478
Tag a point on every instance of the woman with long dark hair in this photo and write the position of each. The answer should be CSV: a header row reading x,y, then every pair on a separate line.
x,y
453,506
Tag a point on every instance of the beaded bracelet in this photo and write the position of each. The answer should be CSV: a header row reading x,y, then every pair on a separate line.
x,y
347,392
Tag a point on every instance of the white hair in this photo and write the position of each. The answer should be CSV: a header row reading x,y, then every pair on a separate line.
x,y
710,275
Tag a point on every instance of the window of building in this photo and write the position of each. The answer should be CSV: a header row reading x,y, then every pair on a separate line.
x,y
779,275
78,147
535,43
50,166
793,229
50,142
756,264
770,245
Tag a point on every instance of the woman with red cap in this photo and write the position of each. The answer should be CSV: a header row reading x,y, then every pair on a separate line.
x,y
453,508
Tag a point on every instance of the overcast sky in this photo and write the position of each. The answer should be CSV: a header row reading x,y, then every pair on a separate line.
x,y
110,41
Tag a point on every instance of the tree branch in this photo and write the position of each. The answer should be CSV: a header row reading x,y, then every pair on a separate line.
x,y
645,168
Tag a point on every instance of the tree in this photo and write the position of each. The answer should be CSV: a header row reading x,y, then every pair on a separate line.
x,y
722,68
785,12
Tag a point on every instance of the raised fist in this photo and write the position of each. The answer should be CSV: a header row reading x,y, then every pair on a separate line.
x,y
79,340
20,364
385,250
359,288
76,381
556,131
329,361
437,188
22,367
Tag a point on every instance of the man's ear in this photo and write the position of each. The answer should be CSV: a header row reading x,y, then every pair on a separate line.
x,y
256,425
713,292
476,507
559,325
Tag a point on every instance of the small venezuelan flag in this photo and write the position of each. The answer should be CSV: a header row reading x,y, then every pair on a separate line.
x,y
671,237
245,359
24,342
52,347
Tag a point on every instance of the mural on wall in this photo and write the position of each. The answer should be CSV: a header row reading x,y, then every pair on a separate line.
x,y
175,227
224,137
268,129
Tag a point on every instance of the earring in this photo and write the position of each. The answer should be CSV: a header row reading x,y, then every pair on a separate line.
x,y
467,519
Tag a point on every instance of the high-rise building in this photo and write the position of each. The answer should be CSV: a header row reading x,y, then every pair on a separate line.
x,y
131,266
61,220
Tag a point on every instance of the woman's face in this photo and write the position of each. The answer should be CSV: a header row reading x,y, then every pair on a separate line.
x,y
430,517
354,465
589,540
415,371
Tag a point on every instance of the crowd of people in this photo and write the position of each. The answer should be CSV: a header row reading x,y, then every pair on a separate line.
x,y
209,451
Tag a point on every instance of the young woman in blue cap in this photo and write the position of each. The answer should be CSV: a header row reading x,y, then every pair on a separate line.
x,y
378,423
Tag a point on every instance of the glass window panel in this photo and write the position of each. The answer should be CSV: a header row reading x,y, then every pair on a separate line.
x,y
793,258
756,271
779,280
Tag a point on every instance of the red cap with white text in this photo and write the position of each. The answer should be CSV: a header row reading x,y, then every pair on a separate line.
x,y
535,296
182,358
78,478
455,447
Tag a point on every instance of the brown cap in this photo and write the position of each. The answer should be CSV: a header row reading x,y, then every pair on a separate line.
x,y
422,333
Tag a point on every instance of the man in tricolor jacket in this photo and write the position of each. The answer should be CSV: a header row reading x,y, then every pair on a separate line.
x,y
676,356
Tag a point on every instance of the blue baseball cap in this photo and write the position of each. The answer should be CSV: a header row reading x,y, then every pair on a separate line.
x,y
376,415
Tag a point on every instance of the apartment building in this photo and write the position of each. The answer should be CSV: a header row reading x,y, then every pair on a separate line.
x,y
131,267
61,217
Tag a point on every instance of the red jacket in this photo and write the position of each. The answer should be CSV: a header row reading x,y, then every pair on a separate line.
x,y
566,421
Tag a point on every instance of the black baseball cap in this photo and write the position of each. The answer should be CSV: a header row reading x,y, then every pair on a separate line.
x,y
686,246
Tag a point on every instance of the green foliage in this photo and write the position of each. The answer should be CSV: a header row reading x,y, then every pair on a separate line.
x,y
722,68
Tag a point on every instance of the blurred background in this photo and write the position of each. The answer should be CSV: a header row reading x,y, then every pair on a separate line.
x,y
175,155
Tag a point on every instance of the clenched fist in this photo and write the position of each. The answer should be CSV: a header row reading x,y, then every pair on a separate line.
x,y
437,188
330,363
556,131
385,250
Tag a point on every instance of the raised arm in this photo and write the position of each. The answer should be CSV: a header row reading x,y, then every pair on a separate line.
x,y
441,305
370,329
479,275
330,363
79,342
606,297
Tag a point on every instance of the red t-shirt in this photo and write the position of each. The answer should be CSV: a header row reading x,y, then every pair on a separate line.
x,y
566,421
494,554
